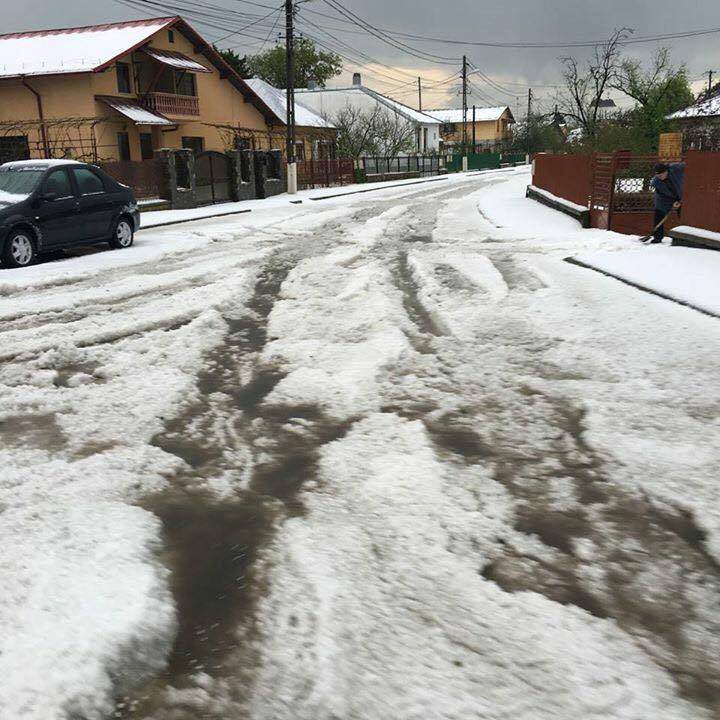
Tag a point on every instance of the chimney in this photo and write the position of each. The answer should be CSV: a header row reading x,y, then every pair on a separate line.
x,y
357,80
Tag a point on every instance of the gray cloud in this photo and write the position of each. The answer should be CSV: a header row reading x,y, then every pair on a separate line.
x,y
494,20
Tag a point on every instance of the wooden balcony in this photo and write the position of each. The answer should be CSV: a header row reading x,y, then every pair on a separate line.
x,y
172,105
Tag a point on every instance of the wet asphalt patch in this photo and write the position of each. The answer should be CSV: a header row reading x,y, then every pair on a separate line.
x,y
213,545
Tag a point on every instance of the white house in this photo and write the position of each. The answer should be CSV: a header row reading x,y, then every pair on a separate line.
x,y
315,136
330,101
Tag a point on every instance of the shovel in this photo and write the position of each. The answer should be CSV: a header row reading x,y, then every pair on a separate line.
x,y
648,237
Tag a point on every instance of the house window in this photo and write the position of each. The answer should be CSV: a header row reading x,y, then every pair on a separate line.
x,y
171,36
300,151
146,146
185,84
14,147
425,139
448,129
196,144
123,141
123,78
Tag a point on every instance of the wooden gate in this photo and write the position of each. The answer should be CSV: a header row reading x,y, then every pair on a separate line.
x,y
603,181
213,177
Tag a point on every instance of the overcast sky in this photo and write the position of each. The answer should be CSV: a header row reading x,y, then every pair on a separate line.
x,y
479,20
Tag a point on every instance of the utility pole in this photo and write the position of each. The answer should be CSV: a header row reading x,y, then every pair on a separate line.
x,y
474,146
465,111
290,74
710,74
420,94
529,123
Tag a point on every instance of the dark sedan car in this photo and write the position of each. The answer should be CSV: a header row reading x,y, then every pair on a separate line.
x,y
53,204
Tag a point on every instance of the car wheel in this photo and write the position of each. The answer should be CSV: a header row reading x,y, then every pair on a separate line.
x,y
19,249
124,234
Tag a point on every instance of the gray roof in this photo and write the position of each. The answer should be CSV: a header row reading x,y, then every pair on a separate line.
x,y
276,100
400,108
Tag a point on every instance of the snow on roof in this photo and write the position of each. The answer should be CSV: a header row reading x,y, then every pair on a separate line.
x,y
276,100
405,110
134,111
175,60
455,115
708,108
84,49
398,107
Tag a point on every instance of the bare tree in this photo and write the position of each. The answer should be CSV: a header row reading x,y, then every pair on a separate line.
x,y
357,130
395,135
372,132
584,86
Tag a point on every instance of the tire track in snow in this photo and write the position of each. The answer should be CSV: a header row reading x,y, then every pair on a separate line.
x,y
605,549
262,455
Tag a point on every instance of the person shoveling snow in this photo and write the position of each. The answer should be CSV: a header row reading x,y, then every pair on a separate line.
x,y
668,185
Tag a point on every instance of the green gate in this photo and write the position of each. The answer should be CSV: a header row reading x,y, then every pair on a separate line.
x,y
478,161
485,161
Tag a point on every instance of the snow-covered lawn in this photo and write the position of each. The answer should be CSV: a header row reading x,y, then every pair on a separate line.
x,y
383,456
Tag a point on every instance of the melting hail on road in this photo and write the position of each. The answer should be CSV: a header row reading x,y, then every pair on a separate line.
x,y
389,460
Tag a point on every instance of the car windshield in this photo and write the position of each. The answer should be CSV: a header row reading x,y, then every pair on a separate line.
x,y
16,184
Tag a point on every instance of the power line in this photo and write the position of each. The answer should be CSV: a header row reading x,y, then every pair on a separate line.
x,y
386,38
559,45
252,24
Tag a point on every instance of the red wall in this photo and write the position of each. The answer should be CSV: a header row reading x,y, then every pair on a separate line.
x,y
642,223
701,199
566,176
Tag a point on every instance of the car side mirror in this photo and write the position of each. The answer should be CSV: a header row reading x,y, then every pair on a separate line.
x,y
49,197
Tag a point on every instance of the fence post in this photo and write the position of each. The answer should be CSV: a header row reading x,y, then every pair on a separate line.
x,y
179,197
611,202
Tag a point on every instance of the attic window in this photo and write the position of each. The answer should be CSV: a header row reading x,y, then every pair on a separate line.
x,y
171,36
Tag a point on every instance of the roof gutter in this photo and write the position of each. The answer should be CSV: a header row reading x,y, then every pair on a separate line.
x,y
41,115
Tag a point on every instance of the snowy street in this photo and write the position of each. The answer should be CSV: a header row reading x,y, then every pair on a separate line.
x,y
381,457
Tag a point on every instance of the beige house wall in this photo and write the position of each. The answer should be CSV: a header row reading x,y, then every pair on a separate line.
x,y
65,96
490,130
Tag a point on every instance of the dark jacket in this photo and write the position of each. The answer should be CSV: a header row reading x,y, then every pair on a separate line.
x,y
670,191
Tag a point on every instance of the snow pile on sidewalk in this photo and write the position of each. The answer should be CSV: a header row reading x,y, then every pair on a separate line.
x,y
688,275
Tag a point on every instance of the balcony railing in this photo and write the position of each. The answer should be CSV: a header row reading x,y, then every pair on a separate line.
x,y
173,105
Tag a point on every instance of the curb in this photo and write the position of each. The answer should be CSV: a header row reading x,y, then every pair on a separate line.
x,y
195,219
637,286
691,239
582,216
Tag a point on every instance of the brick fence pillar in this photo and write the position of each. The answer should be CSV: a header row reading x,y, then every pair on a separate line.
x,y
243,175
178,168
276,174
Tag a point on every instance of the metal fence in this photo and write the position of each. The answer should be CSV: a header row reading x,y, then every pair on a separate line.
x,y
400,165
145,177
325,173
